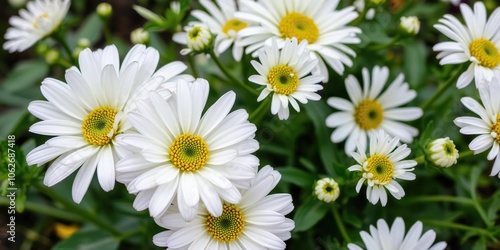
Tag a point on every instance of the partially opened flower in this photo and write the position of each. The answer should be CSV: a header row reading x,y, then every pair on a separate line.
x,y
40,19
487,127
382,166
442,152
477,42
372,109
185,157
319,23
383,238
197,37
327,190
222,23
87,113
287,74
256,222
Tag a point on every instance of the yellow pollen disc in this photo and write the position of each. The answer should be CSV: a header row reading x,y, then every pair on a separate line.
x,y
369,114
485,52
97,126
496,129
194,33
39,18
299,26
284,79
328,188
188,152
381,168
228,226
234,24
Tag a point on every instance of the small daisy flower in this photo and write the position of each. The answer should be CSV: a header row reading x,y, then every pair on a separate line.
x,y
488,127
184,155
327,190
476,42
442,152
320,24
371,109
383,238
221,21
382,167
286,74
197,37
86,114
256,222
410,24
40,19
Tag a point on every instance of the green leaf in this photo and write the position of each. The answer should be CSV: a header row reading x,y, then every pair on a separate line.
x,y
25,75
88,241
296,176
415,63
309,213
90,29
9,121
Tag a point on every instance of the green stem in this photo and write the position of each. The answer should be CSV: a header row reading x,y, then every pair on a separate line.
x,y
192,66
385,45
420,159
481,212
439,92
230,76
460,227
465,154
340,224
78,210
47,210
259,112
441,198
107,32
59,37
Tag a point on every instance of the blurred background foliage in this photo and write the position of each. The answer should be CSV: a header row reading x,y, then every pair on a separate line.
x,y
461,203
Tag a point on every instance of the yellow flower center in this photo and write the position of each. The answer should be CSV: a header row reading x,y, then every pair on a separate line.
x,y
283,79
328,188
299,26
97,128
485,52
234,24
194,33
369,114
496,129
188,152
39,19
228,226
380,168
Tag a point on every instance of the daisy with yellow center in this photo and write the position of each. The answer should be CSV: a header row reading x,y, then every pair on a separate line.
x,y
319,24
487,126
382,166
287,74
40,19
89,112
372,109
477,42
256,222
181,156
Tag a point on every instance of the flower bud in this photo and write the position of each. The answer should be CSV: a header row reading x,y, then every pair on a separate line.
x,y
139,36
104,10
442,152
51,56
83,43
199,39
409,24
326,190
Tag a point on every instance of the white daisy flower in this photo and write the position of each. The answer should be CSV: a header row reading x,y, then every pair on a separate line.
x,y
327,190
287,74
323,27
488,127
221,21
89,111
478,42
382,167
38,20
410,24
383,238
371,109
185,156
256,222
442,152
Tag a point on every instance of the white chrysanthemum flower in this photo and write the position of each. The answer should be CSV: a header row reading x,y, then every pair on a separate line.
x,y
370,110
184,155
323,27
327,190
197,37
38,20
286,74
477,42
89,111
383,238
488,127
221,21
382,167
442,152
410,24
256,222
